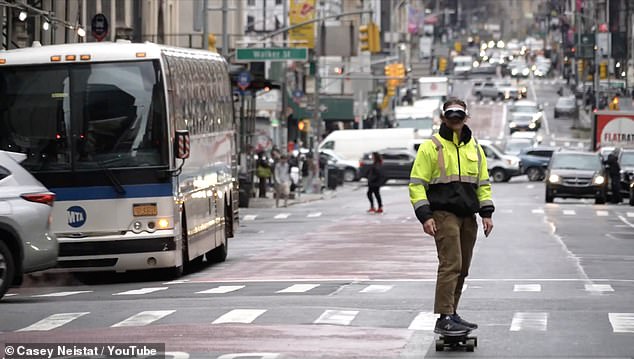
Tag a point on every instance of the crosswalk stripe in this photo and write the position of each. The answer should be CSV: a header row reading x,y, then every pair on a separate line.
x,y
53,321
599,288
630,214
62,294
141,291
143,318
602,213
423,321
250,217
239,316
221,289
377,288
529,321
622,322
569,212
527,288
282,216
298,288
312,215
337,317
538,211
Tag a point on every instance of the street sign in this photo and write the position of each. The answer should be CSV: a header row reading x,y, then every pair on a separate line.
x,y
244,80
272,54
99,27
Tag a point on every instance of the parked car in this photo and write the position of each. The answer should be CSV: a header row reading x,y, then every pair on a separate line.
x,y
502,167
576,174
397,163
566,106
534,161
349,168
27,243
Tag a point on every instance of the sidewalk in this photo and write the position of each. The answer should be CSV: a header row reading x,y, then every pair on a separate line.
x,y
269,202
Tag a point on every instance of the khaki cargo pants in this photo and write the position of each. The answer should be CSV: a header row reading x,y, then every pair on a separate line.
x,y
455,239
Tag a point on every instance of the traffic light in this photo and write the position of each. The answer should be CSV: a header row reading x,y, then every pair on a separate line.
x,y
580,66
370,37
211,43
442,64
614,104
603,70
303,125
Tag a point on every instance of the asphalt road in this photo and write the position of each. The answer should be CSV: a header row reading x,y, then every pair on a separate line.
x,y
327,280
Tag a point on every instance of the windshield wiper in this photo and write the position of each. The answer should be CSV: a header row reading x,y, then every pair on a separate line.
x,y
113,179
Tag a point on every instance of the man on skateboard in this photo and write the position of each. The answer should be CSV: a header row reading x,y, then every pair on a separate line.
x,y
449,183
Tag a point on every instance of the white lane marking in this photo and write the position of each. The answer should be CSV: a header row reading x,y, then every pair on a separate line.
x,y
239,316
141,291
464,287
143,318
527,288
178,281
221,289
569,212
313,215
553,143
423,321
602,213
249,355
250,217
10,295
538,211
337,317
63,294
626,221
530,186
599,288
630,214
298,288
622,322
376,288
503,127
282,216
529,321
53,321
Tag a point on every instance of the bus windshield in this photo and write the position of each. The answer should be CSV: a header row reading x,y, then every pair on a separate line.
x,y
84,116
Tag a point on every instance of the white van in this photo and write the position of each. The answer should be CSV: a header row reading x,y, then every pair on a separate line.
x,y
352,144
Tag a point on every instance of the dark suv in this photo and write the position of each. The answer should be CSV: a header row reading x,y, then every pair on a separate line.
x,y
534,161
626,161
397,163
576,175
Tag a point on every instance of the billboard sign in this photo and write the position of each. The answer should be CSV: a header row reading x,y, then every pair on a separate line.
x,y
613,128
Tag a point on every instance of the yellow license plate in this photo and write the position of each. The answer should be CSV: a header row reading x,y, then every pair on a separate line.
x,y
144,209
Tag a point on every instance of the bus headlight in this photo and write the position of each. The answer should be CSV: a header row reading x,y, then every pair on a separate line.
x,y
163,223
554,178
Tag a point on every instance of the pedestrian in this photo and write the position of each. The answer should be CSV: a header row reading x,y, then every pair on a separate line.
x,y
376,178
614,172
263,171
449,183
282,180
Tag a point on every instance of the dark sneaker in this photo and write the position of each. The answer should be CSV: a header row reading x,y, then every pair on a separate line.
x,y
456,318
447,326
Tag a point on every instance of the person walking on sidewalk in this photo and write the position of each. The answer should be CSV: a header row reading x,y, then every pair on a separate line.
x,y
376,178
282,180
449,183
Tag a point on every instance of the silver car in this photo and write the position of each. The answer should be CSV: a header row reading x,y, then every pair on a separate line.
x,y
26,241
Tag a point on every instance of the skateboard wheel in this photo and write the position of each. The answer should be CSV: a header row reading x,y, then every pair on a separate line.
x,y
440,345
470,344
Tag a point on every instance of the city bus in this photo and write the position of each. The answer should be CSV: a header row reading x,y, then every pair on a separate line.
x,y
137,141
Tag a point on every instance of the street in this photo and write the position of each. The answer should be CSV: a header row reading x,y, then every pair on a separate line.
x,y
325,279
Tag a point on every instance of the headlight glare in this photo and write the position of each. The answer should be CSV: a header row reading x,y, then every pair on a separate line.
x,y
598,180
554,178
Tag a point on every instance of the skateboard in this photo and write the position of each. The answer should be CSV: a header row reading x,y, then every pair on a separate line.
x,y
464,341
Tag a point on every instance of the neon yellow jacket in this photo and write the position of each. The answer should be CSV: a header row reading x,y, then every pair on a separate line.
x,y
450,174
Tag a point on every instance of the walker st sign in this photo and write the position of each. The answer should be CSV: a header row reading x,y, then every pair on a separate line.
x,y
273,54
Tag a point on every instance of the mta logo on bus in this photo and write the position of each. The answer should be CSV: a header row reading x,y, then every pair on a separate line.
x,y
76,216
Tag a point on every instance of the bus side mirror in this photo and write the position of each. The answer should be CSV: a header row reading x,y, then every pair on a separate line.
x,y
181,144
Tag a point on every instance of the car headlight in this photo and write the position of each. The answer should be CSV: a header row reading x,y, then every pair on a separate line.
x,y
511,163
525,72
531,125
514,72
512,125
598,180
554,178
